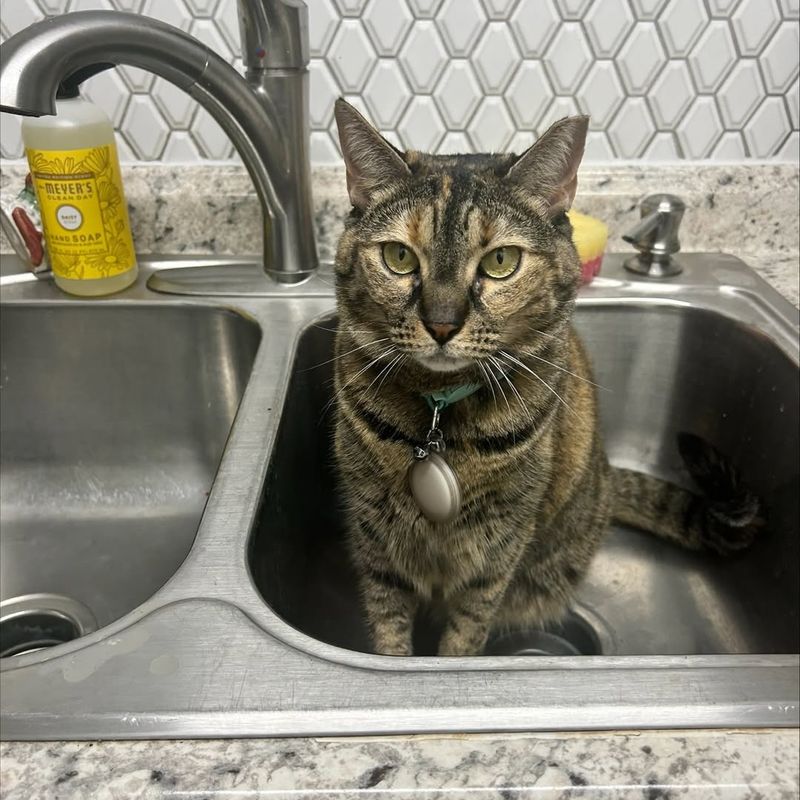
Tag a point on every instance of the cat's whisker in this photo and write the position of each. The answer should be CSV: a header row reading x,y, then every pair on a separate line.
x,y
487,380
385,373
538,378
563,369
398,362
342,355
386,352
499,366
519,396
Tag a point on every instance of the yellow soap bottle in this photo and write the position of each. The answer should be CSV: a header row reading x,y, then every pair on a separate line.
x,y
75,171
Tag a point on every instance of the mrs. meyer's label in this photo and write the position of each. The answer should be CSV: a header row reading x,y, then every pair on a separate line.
x,y
83,210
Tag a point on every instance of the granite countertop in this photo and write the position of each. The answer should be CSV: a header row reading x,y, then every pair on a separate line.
x,y
746,210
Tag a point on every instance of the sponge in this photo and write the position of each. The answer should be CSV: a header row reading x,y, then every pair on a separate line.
x,y
590,236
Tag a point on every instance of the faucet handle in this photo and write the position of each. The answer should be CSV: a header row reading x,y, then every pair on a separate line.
x,y
656,236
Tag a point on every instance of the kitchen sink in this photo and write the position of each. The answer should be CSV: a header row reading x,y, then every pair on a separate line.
x,y
113,420
168,502
664,367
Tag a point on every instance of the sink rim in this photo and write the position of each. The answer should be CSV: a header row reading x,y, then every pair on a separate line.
x,y
224,531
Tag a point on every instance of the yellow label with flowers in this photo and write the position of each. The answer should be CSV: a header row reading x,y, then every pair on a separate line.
x,y
84,214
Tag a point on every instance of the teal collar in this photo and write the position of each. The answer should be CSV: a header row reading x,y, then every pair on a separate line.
x,y
446,397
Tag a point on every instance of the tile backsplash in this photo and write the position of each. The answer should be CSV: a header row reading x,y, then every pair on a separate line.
x,y
663,80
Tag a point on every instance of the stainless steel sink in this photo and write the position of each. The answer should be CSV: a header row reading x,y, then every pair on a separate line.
x,y
112,423
257,630
664,367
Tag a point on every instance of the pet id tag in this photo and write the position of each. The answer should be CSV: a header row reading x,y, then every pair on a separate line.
x,y
433,483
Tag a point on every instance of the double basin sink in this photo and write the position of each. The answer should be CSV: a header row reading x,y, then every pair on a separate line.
x,y
171,534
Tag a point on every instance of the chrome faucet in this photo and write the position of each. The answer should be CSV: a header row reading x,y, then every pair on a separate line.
x,y
656,237
265,114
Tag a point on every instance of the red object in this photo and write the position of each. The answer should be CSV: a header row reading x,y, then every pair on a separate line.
x,y
32,237
591,269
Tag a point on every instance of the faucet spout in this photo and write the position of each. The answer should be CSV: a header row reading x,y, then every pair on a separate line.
x,y
268,123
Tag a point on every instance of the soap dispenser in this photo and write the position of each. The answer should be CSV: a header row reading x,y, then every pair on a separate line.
x,y
75,171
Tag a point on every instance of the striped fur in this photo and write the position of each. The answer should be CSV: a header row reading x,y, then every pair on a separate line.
x,y
537,491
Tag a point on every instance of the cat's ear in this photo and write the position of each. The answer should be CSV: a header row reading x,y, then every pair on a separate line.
x,y
370,160
549,168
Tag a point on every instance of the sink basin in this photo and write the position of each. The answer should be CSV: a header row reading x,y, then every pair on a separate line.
x,y
665,367
236,615
114,419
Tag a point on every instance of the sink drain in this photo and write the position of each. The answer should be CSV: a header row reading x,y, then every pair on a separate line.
x,y
580,633
35,621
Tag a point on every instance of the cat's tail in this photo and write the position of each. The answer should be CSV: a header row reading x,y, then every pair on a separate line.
x,y
725,517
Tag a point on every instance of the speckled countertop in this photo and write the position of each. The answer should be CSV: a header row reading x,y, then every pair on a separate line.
x,y
749,211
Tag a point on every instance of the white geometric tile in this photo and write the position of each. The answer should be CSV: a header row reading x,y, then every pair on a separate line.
x,y
520,142
124,152
350,8
457,94
53,6
598,147
600,94
681,24
793,102
201,8
753,23
173,13
529,95
641,58
322,149
90,5
131,6
19,14
387,23
11,139
460,23
721,8
144,128
421,127
392,137
495,58
211,140
423,57
740,94
137,80
790,9
607,23
713,56
454,142
573,9
424,9
647,9
790,151
322,93
700,128
560,107
386,93
662,148
730,147
491,126
631,129
226,18
181,148
323,20
534,23
767,128
108,91
205,31
498,9
779,60
671,94
568,58
350,56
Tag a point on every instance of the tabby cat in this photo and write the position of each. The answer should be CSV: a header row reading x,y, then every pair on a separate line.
x,y
456,270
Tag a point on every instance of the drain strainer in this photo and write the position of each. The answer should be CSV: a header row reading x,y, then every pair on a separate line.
x,y
34,621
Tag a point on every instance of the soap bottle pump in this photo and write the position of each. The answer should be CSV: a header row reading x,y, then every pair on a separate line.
x,y
75,171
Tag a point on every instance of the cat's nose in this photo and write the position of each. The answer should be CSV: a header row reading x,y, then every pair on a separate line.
x,y
442,332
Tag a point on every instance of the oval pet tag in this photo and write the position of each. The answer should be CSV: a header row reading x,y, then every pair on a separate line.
x,y
435,488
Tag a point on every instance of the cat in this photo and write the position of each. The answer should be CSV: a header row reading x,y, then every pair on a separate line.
x,y
460,270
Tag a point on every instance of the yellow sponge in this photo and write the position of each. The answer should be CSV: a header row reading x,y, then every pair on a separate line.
x,y
590,236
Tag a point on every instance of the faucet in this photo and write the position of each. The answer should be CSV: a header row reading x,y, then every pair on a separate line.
x,y
265,114
656,237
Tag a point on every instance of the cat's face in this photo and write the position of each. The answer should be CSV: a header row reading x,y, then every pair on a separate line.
x,y
450,260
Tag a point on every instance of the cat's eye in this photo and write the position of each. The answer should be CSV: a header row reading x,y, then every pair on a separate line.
x,y
501,262
399,258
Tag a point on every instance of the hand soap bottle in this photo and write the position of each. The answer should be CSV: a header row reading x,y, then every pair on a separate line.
x,y
75,170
